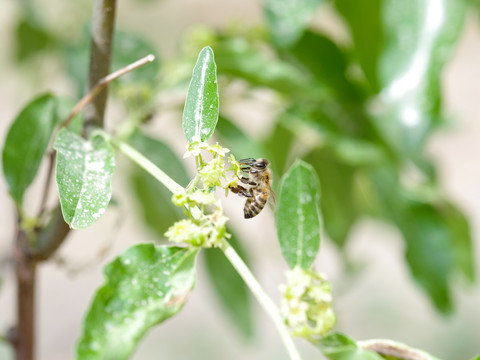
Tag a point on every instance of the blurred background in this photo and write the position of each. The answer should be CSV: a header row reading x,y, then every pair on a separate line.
x,y
380,96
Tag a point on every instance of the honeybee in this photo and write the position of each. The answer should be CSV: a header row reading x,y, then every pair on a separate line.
x,y
256,186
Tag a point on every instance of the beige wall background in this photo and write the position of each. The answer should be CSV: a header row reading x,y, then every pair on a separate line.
x,y
380,302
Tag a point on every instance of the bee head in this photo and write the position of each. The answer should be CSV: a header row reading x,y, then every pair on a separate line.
x,y
253,166
260,164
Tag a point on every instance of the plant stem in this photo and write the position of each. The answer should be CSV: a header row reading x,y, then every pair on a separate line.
x,y
48,180
103,21
147,165
25,271
264,300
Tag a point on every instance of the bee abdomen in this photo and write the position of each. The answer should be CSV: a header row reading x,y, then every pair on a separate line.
x,y
254,205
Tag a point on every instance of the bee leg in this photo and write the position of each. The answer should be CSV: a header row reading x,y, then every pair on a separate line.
x,y
240,190
247,181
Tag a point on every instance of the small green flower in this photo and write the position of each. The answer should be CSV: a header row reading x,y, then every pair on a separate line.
x,y
217,149
195,198
202,197
195,148
180,199
218,230
235,165
306,304
212,173
186,231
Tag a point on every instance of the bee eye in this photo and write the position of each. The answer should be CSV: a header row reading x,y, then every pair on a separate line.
x,y
261,163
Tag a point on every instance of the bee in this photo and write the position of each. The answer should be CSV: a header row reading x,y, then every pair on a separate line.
x,y
256,186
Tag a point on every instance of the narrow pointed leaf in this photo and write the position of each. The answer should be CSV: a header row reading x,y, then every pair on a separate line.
x,y
298,218
338,205
83,172
144,286
279,144
429,252
26,143
200,115
288,19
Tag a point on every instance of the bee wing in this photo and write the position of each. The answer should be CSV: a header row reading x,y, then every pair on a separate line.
x,y
248,161
271,197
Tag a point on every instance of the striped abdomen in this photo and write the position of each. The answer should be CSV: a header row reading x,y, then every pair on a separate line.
x,y
256,203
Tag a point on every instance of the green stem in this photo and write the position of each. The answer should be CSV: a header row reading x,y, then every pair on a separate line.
x,y
262,297
193,183
147,165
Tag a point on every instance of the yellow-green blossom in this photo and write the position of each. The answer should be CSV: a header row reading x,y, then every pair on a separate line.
x,y
217,149
212,173
186,231
202,197
196,147
197,197
218,228
306,304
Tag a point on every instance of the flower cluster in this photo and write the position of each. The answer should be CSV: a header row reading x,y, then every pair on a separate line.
x,y
306,304
211,172
206,232
206,224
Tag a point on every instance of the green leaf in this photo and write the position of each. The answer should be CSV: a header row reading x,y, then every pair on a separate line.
x,y
288,19
402,49
430,241
230,288
337,346
324,59
26,143
279,145
144,286
200,114
338,205
462,242
237,57
429,252
298,218
153,199
31,38
366,34
83,172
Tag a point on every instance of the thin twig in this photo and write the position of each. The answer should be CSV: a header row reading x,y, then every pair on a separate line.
x,y
101,47
394,349
48,181
102,84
